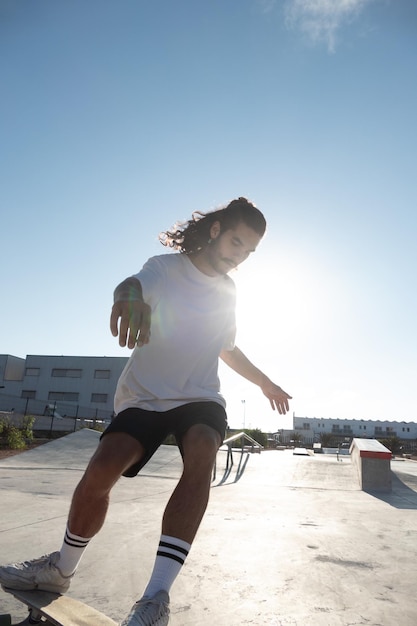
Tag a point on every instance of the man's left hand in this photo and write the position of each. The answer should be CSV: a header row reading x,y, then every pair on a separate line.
x,y
277,397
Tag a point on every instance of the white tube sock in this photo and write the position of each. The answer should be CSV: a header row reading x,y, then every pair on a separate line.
x,y
71,552
170,558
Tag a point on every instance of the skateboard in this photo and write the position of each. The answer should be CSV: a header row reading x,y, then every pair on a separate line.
x,y
54,609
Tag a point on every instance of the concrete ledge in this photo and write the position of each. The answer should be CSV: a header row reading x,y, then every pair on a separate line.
x,y
373,464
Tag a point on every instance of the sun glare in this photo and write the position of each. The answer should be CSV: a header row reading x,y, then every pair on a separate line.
x,y
280,302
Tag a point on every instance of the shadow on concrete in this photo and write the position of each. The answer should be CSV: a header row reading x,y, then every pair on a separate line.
x,y
404,492
167,464
232,469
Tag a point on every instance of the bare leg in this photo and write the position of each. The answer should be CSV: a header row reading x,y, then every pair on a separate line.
x,y
115,453
188,502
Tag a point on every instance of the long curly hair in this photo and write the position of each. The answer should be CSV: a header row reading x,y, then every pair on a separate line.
x,y
194,234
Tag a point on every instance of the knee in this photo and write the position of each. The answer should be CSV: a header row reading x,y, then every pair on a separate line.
x,y
95,482
108,464
200,446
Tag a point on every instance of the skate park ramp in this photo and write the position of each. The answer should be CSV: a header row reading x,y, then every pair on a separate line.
x,y
293,542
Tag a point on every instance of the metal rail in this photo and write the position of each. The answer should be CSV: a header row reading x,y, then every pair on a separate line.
x,y
242,450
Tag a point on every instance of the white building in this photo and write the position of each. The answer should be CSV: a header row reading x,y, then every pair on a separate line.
x,y
312,427
73,386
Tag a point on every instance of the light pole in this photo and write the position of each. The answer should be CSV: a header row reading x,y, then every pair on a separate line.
x,y
244,413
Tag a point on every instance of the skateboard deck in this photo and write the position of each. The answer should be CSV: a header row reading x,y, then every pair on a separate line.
x,y
59,610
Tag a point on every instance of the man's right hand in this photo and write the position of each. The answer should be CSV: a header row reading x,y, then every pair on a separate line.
x,y
134,327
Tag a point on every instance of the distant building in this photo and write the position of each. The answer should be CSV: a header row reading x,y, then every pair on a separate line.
x,y
312,427
73,386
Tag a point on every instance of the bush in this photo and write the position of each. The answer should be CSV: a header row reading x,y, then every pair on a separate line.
x,y
27,428
15,439
258,435
98,426
14,436
4,426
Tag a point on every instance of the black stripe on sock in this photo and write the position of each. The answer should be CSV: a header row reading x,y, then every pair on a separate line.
x,y
168,555
76,543
172,546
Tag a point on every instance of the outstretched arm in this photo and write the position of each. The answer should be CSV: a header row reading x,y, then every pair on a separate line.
x,y
277,397
134,314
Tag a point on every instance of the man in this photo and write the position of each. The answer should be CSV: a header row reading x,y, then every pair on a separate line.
x,y
178,313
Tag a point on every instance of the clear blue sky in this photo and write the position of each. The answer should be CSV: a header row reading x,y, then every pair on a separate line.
x,y
119,118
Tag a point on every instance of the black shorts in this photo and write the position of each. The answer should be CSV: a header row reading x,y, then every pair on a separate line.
x,y
151,428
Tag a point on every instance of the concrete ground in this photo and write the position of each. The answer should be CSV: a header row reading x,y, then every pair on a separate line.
x,y
293,542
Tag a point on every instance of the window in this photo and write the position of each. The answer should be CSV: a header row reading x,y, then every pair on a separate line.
x,y
32,371
306,426
28,393
66,373
99,397
101,373
63,396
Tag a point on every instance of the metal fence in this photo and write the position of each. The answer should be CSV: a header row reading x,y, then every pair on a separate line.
x,y
56,409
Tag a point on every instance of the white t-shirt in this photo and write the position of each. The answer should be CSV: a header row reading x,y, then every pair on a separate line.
x,y
192,320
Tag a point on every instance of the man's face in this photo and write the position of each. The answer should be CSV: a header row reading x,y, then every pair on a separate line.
x,y
231,247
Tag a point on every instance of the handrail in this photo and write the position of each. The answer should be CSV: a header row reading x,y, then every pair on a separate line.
x,y
245,436
229,460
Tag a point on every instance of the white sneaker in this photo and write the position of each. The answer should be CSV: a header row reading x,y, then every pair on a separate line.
x,y
40,573
149,611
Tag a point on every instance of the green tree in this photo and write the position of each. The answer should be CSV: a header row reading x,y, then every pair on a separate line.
x,y
258,435
392,443
296,438
327,440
